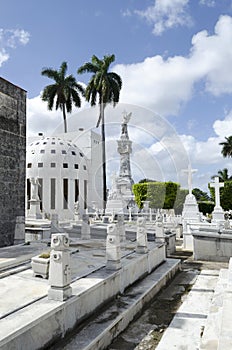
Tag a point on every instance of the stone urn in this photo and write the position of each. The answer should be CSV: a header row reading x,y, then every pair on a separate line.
x,y
40,265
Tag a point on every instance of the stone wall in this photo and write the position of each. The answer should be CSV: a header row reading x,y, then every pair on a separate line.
x,y
12,159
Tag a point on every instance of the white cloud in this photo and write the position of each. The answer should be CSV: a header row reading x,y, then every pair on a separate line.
x,y
213,55
223,128
209,3
3,56
166,14
165,85
10,39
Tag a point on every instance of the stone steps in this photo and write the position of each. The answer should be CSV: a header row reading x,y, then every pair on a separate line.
x,y
100,330
185,330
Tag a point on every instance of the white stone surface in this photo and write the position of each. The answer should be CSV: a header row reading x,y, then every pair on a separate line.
x,y
35,325
184,332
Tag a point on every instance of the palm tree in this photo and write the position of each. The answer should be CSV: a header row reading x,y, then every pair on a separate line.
x,y
65,90
223,175
103,88
227,147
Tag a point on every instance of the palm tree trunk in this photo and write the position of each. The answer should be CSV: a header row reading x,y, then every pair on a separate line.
x,y
65,120
103,156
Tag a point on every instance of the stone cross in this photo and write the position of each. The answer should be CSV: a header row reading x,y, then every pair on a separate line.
x,y
190,171
217,185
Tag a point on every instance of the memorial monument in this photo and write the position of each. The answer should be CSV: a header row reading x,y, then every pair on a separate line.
x,y
121,197
218,213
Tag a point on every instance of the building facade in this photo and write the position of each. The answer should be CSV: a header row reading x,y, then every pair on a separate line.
x,y
12,160
67,169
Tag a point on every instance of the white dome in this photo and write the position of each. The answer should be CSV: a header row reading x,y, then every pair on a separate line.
x,y
54,152
62,172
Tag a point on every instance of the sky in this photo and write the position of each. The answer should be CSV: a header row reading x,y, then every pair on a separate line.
x,y
175,61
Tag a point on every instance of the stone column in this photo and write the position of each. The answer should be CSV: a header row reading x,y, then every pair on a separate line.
x,y
59,270
85,227
141,236
113,251
159,227
54,223
121,227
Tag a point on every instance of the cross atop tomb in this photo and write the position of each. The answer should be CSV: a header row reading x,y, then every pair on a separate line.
x,y
217,185
190,171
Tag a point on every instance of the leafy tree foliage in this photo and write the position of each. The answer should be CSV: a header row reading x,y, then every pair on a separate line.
x,y
160,194
223,175
227,147
146,180
103,88
200,195
63,93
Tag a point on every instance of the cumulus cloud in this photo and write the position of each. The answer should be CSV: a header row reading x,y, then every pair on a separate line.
x,y
166,14
223,128
165,85
10,39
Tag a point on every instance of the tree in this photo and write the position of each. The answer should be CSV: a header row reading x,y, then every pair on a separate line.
x,y
103,88
146,180
64,92
200,195
227,147
223,175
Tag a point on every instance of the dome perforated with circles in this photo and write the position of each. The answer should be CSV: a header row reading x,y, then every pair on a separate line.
x,y
54,152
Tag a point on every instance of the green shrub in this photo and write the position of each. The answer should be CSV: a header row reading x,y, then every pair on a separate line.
x,y
160,194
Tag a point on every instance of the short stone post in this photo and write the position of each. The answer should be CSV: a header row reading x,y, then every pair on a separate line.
x,y
159,227
59,270
55,223
121,227
113,251
85,227
141,236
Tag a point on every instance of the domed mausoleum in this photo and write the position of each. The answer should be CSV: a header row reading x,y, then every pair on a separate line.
x,y
62,173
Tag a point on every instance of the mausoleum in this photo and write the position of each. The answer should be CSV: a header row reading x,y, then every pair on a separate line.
x,y
61,170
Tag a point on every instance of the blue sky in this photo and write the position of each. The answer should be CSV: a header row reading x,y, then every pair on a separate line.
x,y
174,57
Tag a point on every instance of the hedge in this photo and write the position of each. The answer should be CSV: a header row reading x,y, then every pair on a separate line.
x,y
160,194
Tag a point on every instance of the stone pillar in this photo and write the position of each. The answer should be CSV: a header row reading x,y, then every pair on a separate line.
x,y
34,211
113,251
55,223
121,227
59,270
141,236
159,228
20,228
85,227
